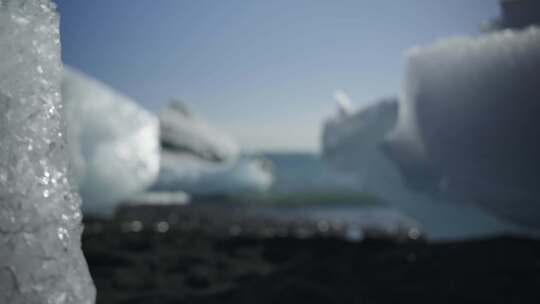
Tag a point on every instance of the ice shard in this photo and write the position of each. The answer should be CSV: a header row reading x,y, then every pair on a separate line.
x,y
40,220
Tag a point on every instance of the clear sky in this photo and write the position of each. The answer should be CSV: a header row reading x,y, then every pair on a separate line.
x,y
264,70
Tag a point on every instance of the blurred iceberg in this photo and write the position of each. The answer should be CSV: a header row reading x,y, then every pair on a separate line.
x,y
114,144
183,131
160,198
469,116
307,173
463,143
203,161
198,177
353,143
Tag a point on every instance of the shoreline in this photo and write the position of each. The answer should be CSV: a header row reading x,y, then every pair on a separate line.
x,y
192,264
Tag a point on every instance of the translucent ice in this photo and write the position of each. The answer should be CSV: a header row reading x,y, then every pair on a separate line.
x,y
114,144
353,143
202,160
196,176
469,115
159,198
183,131
40,220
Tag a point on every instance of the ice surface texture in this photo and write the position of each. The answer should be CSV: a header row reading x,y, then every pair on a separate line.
x,y
113,143
40,220
469,113
354,143
183,131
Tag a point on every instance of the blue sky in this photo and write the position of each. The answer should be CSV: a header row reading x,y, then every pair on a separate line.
x,y
264,70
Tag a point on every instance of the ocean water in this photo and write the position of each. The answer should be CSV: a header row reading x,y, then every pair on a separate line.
x,y
306,189
303,179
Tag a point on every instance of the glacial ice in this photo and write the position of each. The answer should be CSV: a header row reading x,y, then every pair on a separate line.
x,y
307,173
183,131
159,198
200,177
40,220
354,144
469,115
114,144
201,160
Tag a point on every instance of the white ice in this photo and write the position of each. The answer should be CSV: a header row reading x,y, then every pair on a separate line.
x,y
40,220
184,131
159,198
201,160
114,143
354,144
197,176
469,116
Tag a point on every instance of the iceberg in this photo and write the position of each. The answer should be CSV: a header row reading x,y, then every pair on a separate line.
x,y
355,143
159,198
306,173
469,116
40,220
114,144
201,160
183,131
199,177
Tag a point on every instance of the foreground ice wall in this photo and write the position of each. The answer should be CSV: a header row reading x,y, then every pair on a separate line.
x,y
353,143
114,144
40,220
183,131
469,114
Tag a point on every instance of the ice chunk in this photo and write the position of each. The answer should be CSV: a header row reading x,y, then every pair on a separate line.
x,y
183,131
353,144
199,177
159,198
40,220
114,144
361,133
470,114
307,173
201,160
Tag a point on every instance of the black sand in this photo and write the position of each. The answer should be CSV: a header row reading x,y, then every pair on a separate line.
x,y
193,264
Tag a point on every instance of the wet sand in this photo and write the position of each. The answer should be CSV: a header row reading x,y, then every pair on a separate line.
x,y
155,255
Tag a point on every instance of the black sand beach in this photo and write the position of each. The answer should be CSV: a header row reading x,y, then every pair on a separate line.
x,y
155,261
